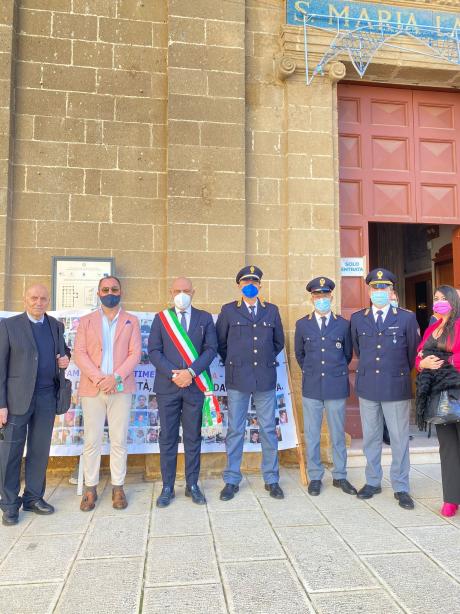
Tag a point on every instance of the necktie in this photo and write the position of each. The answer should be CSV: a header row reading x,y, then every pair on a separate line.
x,y
323,324
252,310
38,323
379,320
183,321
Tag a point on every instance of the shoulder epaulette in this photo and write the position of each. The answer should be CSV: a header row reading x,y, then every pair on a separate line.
x,y
238,302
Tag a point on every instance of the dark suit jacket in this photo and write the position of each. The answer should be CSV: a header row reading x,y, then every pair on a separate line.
x,y
19,361
324,357
387,357
165,357
249,348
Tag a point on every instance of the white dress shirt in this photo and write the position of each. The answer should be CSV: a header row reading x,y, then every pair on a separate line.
x,y
255,306
318,317
188,314
384,311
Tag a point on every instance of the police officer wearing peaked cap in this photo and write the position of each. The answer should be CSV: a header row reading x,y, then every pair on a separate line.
x,y
385,339
250,336
323,350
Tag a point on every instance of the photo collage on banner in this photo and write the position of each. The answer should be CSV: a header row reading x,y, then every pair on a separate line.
x,y
144,427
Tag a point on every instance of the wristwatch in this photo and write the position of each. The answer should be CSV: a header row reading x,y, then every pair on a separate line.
x,y
191,371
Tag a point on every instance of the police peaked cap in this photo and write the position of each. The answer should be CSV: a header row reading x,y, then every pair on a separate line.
x,y
249,272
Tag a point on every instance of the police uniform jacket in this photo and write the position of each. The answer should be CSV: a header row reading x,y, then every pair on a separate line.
x,y
387,357
249,348
324,357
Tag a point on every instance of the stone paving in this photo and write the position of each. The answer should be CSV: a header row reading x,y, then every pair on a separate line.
x,y
328,554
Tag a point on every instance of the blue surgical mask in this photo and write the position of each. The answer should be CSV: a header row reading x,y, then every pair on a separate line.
x,y
323,305
394,303
110,300
379,298
250,291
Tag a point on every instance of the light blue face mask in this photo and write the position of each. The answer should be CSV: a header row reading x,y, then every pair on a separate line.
x,y
380,298
323,305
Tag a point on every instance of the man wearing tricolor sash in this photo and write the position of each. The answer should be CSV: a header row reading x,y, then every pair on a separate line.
x,y
182,345
250,336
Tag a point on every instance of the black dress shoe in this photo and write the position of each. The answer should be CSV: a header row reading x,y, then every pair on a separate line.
x,y
166,496
314,488
196,494
9,519
405,500
368,491
275,490
39,507
345,485
228,492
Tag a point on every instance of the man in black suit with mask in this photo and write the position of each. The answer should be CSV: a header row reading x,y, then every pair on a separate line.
x,y
178,395
29,362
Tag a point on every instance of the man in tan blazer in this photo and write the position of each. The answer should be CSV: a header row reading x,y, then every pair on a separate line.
x,y
107,350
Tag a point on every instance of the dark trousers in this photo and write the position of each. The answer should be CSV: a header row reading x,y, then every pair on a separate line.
x,y
449,451
182,406
35,427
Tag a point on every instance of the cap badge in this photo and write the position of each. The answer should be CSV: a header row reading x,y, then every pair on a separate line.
x,y
379,274
322,281
252,269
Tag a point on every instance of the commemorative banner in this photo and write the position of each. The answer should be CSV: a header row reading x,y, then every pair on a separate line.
x,y
69,430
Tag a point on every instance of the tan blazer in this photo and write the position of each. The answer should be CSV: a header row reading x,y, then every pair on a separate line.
x,y
87,352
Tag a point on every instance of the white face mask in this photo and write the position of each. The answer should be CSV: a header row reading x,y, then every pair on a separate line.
x,y
182,301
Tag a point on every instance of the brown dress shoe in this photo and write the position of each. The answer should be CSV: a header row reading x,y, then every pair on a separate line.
x,y
119,501
88,501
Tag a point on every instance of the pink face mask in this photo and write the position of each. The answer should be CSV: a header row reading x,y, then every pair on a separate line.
x,y
442,307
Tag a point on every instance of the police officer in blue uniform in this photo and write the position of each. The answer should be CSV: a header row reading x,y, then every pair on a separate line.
x,y
323,350
250,336
385,339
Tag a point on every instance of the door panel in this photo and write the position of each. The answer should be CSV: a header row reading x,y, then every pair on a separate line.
x,y
437,147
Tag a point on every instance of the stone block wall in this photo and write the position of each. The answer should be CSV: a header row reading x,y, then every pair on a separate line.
x,y
89,160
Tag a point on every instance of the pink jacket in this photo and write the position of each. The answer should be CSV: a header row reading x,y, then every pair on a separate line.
x,y
87,352
455,358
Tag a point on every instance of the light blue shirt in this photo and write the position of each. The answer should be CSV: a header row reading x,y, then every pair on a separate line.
x,y
108,340
33,320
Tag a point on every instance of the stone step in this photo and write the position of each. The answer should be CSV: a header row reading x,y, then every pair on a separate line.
x,y
419,454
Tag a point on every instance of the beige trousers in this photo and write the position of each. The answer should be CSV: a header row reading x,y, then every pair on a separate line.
x,y
117,408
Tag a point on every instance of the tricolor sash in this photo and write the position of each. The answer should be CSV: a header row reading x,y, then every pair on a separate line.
x,y
211,423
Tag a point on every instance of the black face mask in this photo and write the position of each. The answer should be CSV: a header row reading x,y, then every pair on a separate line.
x,y
110,300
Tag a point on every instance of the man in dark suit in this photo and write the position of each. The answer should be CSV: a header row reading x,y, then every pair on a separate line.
x,y
323,350
250,336
385,340
29,361
178,396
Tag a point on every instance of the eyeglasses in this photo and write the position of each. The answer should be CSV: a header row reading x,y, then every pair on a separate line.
x,y
113,289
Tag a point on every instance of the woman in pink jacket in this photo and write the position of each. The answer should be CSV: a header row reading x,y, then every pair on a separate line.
x,y
440,349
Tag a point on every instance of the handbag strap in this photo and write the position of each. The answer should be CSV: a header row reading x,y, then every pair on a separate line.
x,y
61,348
